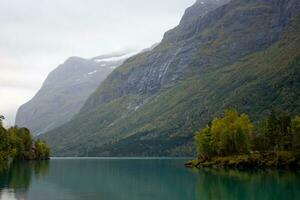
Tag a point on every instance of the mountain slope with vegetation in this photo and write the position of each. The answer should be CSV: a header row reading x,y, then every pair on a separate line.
x,y
243,54
64,92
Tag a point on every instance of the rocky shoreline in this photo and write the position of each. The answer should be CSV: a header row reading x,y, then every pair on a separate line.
x,y
255,160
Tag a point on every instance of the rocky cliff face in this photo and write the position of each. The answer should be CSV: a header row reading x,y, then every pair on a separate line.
x,y
206,37
152,104
64,92
148,72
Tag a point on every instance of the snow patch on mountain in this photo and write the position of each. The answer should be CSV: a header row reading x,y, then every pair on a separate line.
x,y
93,72
116,58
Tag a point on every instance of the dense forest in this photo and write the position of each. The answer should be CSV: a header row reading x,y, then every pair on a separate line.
x,y
233,140
17,144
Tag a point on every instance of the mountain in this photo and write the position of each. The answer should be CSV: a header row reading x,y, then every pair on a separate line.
x,y
242,54
65,90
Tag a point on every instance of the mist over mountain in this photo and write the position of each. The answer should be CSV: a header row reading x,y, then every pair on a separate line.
x,y
241,54
65,90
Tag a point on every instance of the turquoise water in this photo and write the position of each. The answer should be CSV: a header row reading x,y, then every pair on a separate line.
x,y
140,179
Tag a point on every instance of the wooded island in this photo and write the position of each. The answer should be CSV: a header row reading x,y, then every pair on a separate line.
x,y
233,141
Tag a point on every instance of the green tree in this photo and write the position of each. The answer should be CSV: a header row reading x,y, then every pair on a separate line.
x,y
1,120
261,140
203,142
42,151
231,134
4,144
6,147
275,131
296,133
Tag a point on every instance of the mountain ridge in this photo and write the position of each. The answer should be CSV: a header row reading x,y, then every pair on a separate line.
x,y
71,82
152,104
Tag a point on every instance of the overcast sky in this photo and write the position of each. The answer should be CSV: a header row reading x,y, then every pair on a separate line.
x,y
37,35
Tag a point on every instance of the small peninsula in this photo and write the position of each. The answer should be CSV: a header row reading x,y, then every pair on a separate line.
x,y
17,144
233,141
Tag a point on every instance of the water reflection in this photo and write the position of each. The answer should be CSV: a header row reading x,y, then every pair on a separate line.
x,y
235,184
117,179
17,177
141,179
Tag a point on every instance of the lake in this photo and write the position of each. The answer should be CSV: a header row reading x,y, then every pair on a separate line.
x,y
140,179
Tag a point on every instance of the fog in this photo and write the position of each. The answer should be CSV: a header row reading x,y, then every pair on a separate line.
x,y
37,35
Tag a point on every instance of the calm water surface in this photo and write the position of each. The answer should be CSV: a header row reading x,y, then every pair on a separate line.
x,y
140,179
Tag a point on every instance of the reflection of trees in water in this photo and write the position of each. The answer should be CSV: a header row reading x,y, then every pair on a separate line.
x,y
234,184
19,174
3,166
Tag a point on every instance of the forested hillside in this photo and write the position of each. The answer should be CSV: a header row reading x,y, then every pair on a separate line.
x,y
244,54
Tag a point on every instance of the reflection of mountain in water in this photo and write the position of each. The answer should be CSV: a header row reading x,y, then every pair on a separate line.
x,y
115,179
141,179
18,177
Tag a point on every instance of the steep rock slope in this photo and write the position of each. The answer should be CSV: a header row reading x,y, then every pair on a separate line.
x,y
243,54
64,92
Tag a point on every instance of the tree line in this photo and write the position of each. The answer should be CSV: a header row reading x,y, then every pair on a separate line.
x,y
17,143
235,134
